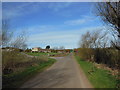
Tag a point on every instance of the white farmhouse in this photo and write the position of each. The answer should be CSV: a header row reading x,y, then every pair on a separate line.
x,y
36,49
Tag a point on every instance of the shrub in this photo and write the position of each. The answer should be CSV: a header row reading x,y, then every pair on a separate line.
x,y
110,57
86,53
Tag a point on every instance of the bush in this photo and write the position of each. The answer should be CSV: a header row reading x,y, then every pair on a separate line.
x,y
110,57
28,50
86,53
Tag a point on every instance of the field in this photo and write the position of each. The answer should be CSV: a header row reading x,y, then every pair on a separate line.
x,y
100,78
40,53
18,67
51,54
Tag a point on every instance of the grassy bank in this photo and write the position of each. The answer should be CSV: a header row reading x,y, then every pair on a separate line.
x,y
18,67
100,78
16,79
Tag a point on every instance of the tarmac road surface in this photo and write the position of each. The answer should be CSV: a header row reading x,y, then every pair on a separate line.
x,y
65,73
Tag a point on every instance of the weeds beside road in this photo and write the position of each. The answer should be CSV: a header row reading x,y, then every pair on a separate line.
x,y
100,78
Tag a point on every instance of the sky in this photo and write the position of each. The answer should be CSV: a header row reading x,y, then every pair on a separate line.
x,y
51,23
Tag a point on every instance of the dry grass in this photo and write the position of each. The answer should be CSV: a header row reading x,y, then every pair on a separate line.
x,y
14,61
19,67
105,67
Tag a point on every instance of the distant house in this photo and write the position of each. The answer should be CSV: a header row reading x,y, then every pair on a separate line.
x,y
36,49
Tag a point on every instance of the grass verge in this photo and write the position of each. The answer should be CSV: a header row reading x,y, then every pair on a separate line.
x,y
40,53
15,80
100,78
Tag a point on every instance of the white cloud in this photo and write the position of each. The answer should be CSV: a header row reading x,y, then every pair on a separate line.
x,y
15,10
75,22
58,6
40,28
84,19
69,39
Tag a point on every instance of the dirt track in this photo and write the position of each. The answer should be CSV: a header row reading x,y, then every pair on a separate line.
x,y
65,73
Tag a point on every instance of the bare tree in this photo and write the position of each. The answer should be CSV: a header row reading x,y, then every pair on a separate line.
x,y
6,34
85,40
93,44
96,39
20,41
8,39
110,14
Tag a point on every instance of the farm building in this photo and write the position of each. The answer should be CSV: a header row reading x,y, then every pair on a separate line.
x,y
36,49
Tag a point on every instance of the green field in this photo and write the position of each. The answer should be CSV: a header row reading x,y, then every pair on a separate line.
x,y
99,78
40,53
16,79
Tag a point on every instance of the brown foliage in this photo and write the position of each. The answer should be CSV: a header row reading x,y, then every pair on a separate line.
x,y
14,60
